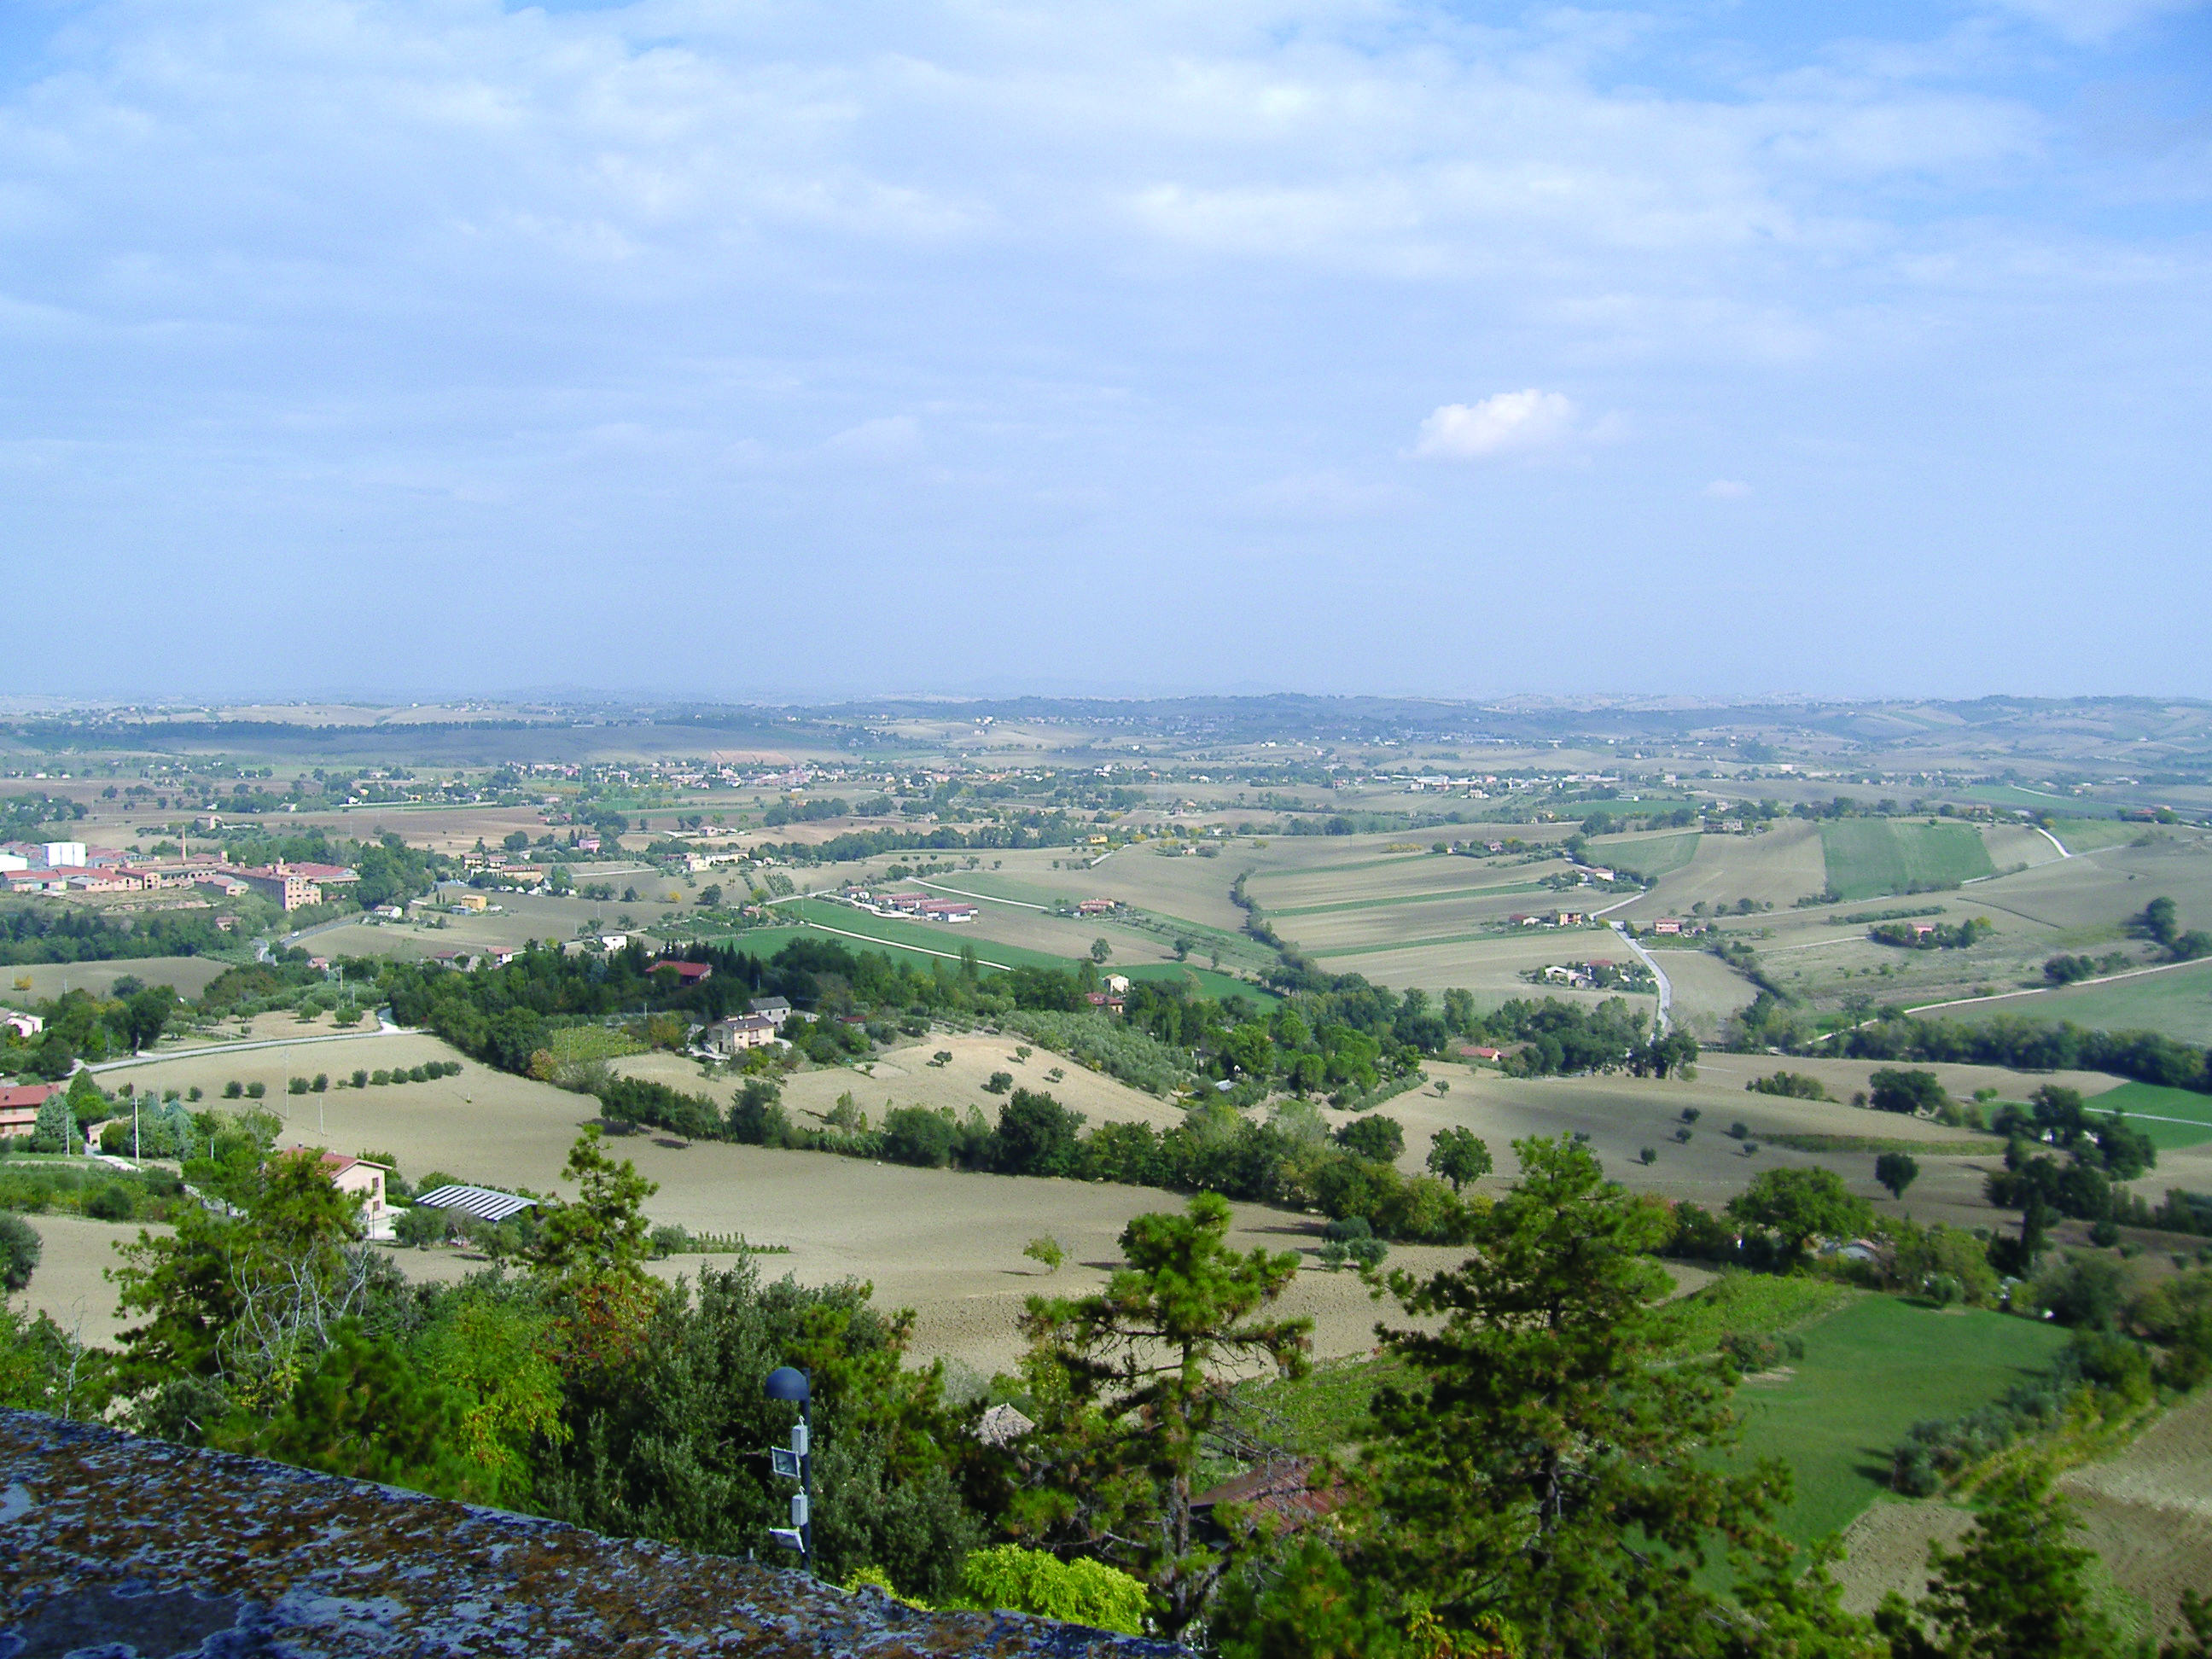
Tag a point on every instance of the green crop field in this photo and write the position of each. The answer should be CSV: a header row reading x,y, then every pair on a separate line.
x,y
1203,981
1869,857
2177,1004
2170,1117
1869,1373
1471,890
1648,857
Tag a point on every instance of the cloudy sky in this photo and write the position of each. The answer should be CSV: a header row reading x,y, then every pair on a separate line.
x,y
763,349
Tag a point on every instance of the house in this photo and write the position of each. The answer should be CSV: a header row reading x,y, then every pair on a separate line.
x,y
938,909
327,875
498,956
686,973
1667,924
19,1106
1097,907
1103,1000
774,1007
24,1025
1283,1492
356,1177
1477,1051
737,1033
469,904
1117,985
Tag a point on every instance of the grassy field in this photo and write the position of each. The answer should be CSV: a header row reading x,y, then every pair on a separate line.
x,y
2154,1111
1647,856
2177,1003
1869,1372
1463,890
1202,981
921,938
1869,857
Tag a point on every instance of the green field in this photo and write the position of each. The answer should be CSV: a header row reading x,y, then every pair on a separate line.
x,y
1869,1373
2177,1004
1869,857
1203,981
1648,857
2168,1116
1472,891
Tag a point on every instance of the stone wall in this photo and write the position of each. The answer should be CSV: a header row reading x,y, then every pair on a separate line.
x,y
117,1545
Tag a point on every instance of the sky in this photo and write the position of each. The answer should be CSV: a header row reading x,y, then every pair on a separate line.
x,y
756,349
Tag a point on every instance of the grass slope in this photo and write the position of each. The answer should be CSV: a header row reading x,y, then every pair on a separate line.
x,y
2176,1004
1869,1374
1201,981
1867,858
2154,1111
1648,857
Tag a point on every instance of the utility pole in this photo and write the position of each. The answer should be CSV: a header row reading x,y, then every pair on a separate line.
x,y
797,1463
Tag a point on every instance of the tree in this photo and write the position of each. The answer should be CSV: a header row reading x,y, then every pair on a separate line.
x,y
146,1015
1129,1387
54,1129
20,1248
1908,1092
1376,1138
2161,921
1100,950
603,1235
1541,1470
1458,1156
1896,1171
2014,1590
1046,1251
1801,1205
1037,1135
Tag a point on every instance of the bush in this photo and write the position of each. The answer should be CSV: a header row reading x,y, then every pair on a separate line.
x,y
360,1079
256,1090
111,1203
20,1248
233,1090
297,1085
1000,1083
1080,1591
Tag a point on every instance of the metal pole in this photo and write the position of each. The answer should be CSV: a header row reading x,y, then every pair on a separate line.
x,y
806,1475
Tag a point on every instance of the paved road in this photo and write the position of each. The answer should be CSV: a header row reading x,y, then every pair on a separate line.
x,y
382,1029
1666,988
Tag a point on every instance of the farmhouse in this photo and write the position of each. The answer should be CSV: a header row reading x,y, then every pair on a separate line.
x,y
1097,907
1667,924
774,1007
737,1033
686,973
19,1106
24,1025
358,1177
1478,1051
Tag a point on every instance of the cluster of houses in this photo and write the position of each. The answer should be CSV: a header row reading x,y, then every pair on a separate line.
x,y
70,868
1548,919
923,907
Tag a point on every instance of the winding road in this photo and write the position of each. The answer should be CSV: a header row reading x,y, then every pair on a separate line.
x,y
1666,986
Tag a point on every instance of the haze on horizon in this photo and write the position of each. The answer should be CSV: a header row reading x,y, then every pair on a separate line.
x,y
386,346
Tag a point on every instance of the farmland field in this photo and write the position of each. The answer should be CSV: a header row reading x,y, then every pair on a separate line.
x,y
2177,1003
1867,858
2166,1115
1776,868
1648,857
1869,1374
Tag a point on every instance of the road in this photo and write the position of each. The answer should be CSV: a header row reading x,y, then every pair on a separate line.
x,y
1665,987
382,1029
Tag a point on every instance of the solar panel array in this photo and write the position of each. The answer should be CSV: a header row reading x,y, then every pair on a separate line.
x,y
483,1202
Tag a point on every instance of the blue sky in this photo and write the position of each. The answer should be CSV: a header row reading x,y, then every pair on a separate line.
x,y
781,350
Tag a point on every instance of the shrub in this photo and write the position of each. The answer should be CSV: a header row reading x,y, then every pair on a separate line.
x,y
111,1203
256,1090
1046,1250
380,1077
1081,1591
1000,1083
232,1090
297,1085
322,1083
1739,1130
19,1247
360,1079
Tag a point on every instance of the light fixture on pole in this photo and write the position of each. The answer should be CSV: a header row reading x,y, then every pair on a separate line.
x,y
796,1462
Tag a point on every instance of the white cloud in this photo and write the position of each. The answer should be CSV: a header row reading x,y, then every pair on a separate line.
x,y
2093,22
1509,423
1728,489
